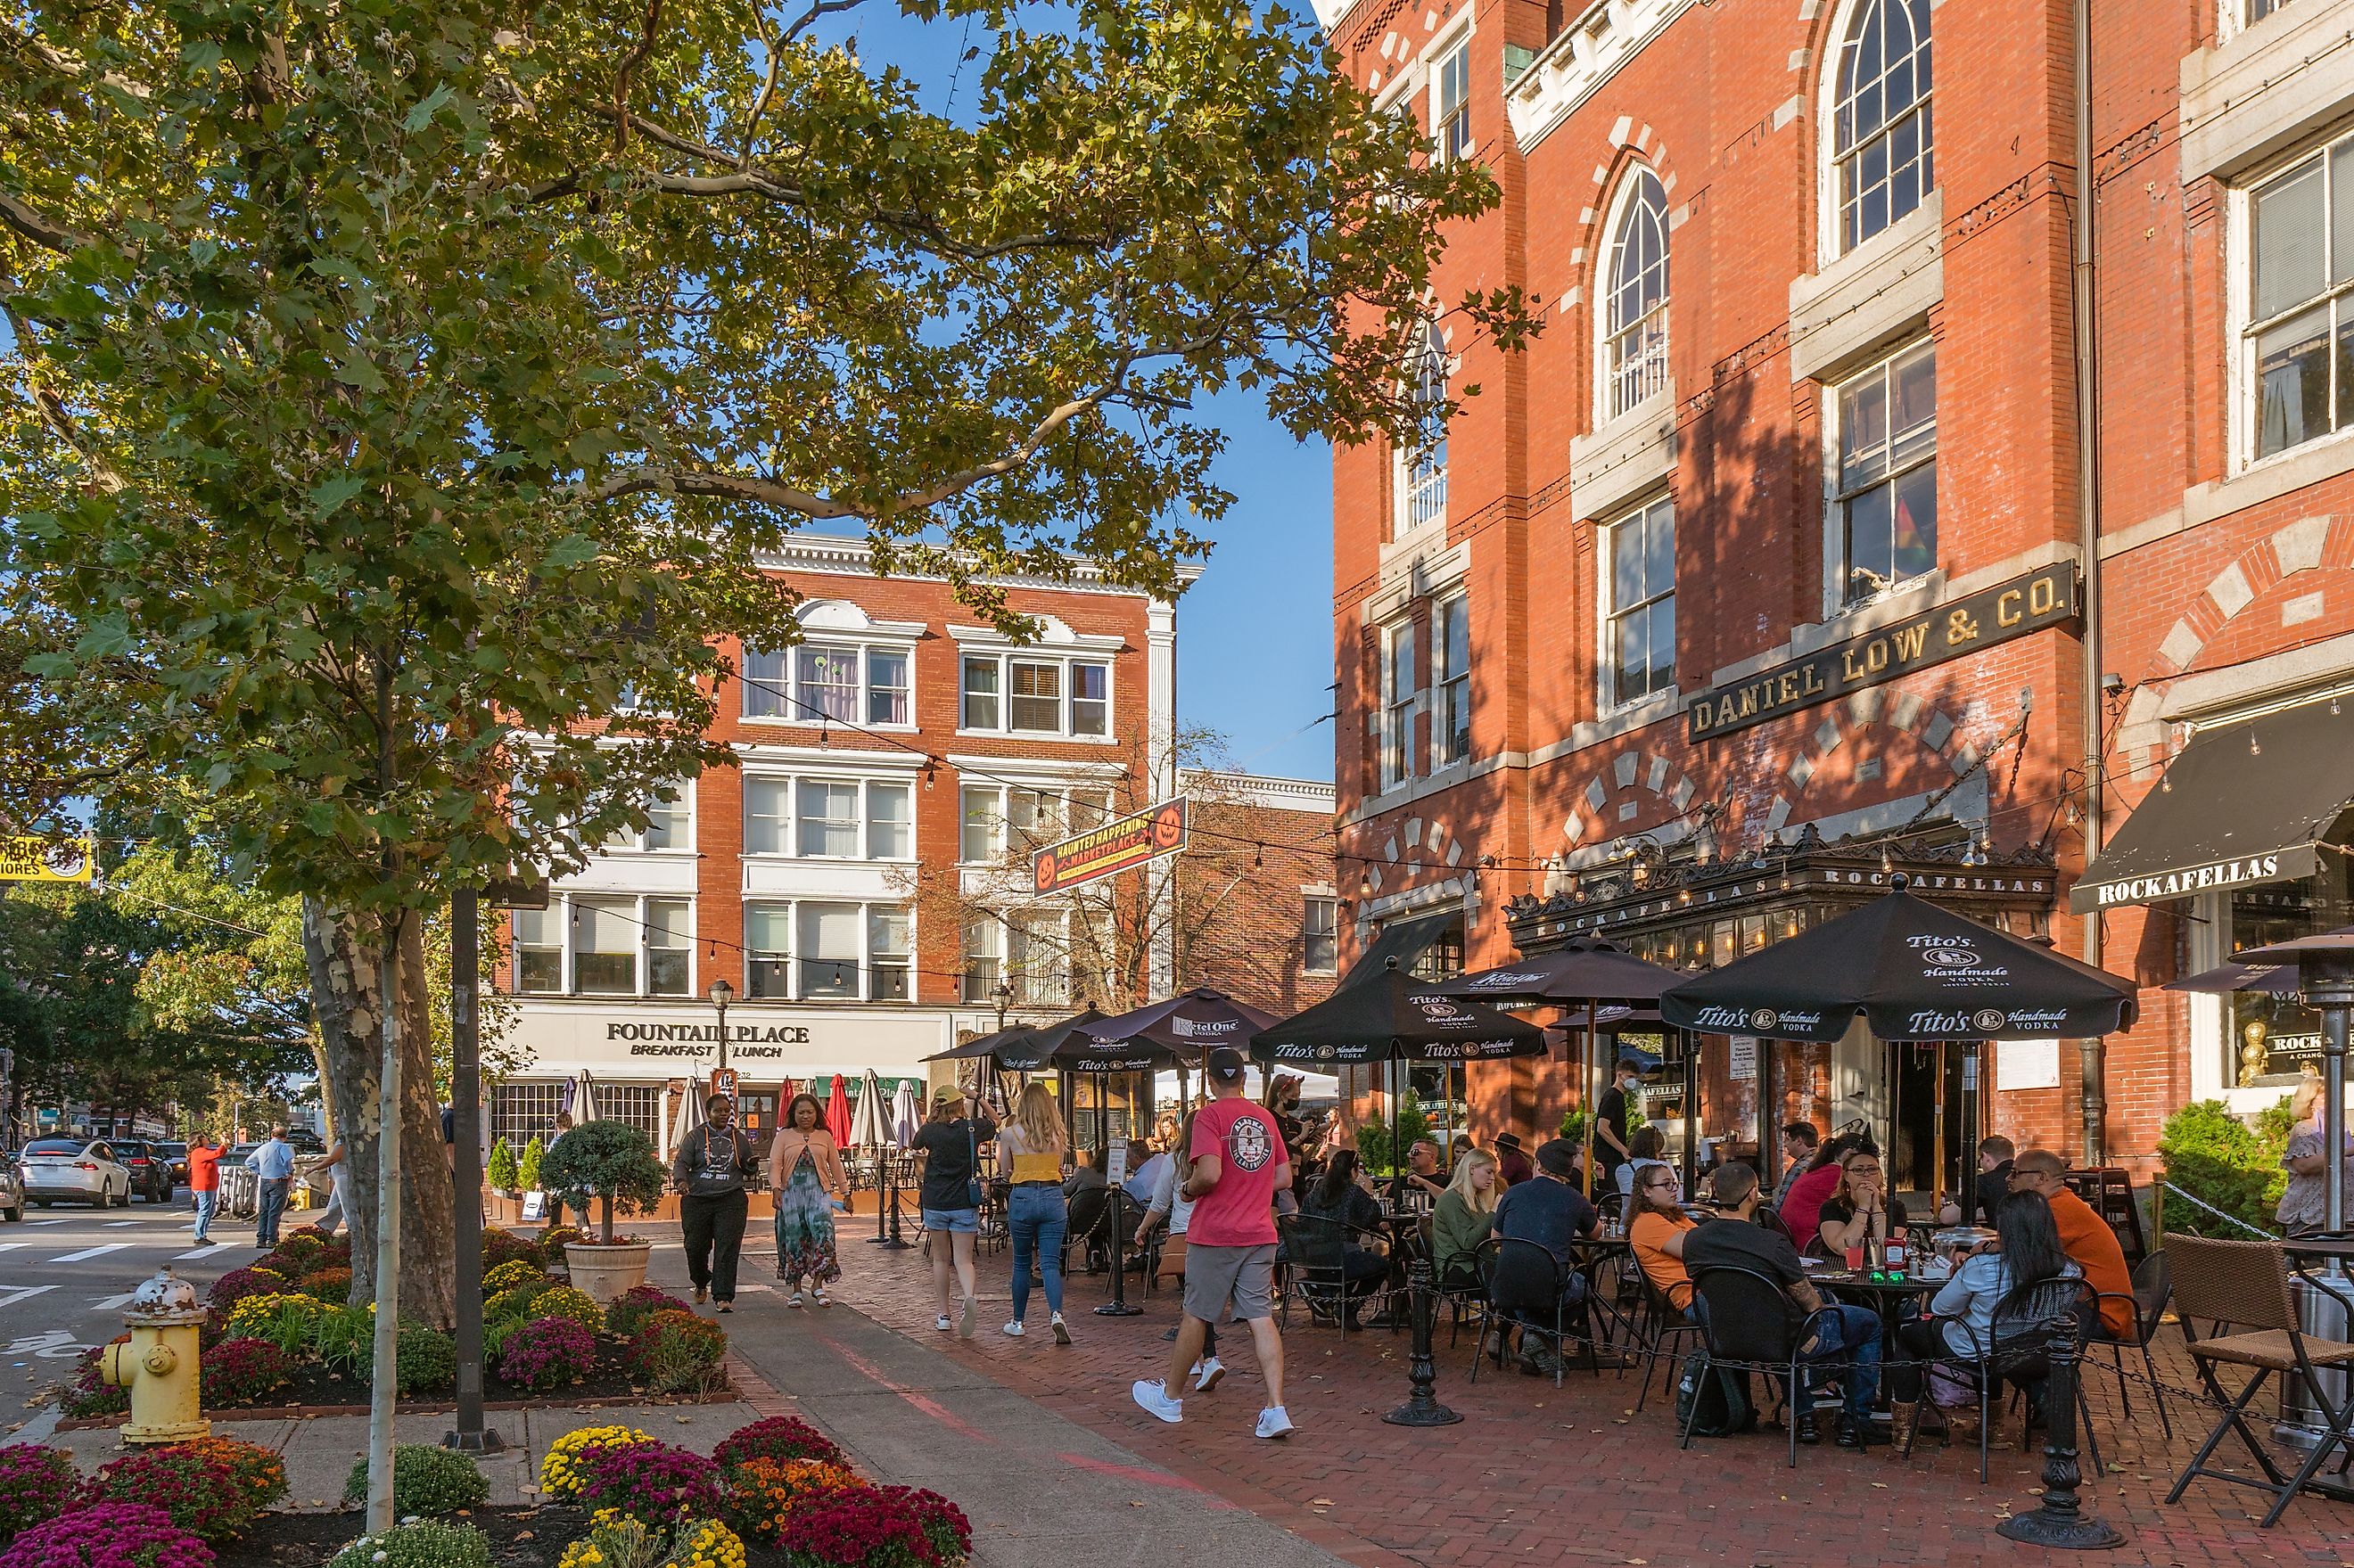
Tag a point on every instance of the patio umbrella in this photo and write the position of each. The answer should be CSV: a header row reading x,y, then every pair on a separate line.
x,y
982,1045
690,1115
907,1120
869,1129
1183,1027
2324,969
837,1111
1395,1017
2278,979
584,1102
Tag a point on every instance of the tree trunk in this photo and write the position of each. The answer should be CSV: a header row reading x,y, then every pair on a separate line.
x,y
347,995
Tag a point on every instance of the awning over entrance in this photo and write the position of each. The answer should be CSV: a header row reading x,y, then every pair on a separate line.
x,y
1404,940
2231,813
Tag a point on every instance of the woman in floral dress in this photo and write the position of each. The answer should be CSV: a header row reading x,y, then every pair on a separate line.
x,y
805,1175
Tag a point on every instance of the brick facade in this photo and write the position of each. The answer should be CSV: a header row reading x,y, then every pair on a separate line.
x,y
2223,576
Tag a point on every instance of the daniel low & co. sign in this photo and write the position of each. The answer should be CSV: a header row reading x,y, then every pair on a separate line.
x,y
1993,615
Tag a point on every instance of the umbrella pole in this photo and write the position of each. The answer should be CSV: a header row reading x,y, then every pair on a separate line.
x,y
1692,1111
1117,1307
1937,1183
1587,1092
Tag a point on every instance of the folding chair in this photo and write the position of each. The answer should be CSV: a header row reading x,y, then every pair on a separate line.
x,y
2153,1286
1314,1252
1656,1328
2247,1284
1524,1285
2019,1355
1745,1319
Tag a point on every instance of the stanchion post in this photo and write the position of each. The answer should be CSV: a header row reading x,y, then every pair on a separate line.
x,y
1422,1407
1117,1307
897,1241
882,1180
2060,1520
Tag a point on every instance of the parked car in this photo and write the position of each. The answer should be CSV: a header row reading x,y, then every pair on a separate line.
x,y
74,1171
151,1173
12,1189
176,1155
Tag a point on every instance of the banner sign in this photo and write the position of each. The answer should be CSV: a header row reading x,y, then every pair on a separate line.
x,y
45,860
1982,620
1116,846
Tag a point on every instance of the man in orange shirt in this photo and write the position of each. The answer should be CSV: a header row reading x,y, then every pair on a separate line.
x,y
2086,1237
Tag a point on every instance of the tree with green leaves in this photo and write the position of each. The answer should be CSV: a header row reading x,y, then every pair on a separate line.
x,y
392,385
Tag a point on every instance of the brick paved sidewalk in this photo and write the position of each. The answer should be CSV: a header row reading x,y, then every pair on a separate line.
x,y
1572,1475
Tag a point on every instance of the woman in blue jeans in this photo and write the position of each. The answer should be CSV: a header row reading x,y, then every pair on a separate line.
x,y
1030,1149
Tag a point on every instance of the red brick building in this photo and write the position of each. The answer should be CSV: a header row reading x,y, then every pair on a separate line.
x,y
1765,567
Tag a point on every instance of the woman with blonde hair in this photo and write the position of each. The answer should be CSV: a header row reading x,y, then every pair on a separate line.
x,y
2303,1203
1031,1146
1464,1218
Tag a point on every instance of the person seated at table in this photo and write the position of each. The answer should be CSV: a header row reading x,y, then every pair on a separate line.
x,y
1987,1300
1800,1140
1551,1212
1996,1156
2084,1236
1858,1208
1088,1175
1849,1335
1343,1198
1512,1166
1656,1223
1422,1174
1801,1211
1645,1146
1143,1172
1464,1218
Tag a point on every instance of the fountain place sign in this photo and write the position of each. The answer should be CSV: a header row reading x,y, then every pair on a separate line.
x,y
1982,620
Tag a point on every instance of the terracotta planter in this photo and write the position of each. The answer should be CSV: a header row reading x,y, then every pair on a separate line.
x,y
606,1273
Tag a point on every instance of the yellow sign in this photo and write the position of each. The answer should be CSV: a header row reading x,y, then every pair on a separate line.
x,y
45,860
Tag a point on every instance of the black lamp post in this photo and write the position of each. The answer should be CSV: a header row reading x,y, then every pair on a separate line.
x,y
721,994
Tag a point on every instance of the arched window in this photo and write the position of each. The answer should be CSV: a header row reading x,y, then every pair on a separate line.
x,y
1635,345
1882,138
1423,480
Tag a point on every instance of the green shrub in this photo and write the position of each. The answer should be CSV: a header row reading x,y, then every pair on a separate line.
x,y
607,1159
678,1352
425,1360
426,1479
501,1172
344,1340
514,1271
527,1167
283,1321
2212,1154
428,1543
515,1301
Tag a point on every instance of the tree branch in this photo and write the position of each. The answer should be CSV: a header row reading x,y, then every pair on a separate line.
x,y
27,224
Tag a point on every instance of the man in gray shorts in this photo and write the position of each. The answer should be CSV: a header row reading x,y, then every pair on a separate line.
x,y
1239,1165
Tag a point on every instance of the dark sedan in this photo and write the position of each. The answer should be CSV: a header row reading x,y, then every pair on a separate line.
x,y
151,1171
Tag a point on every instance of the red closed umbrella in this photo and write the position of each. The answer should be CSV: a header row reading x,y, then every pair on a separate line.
x,y
837,1112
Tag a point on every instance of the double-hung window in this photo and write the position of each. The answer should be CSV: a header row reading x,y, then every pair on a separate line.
x,y
1422,476
983,959
604,947
829,819
1032,694
669,821
2300,326
1037,959
1401,694
830,961
1320,934
768,950
888,953
1450,681
890,821
1883,145
889,694
540,948
1640,658
1450,116
1885,489
982,839
613,945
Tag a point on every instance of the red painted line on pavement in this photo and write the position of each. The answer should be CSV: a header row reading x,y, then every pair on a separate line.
x,y
924,1403
1149,1477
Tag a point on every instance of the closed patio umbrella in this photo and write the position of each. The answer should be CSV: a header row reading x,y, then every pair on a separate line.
x,y
868,1127
907,1116
837,1111
690,1113
584,1102
2276,979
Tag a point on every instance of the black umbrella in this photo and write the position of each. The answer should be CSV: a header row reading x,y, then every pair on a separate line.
x,y
1175,1031
1049,1044
1395,1017
1914,972
2276,979
993,1046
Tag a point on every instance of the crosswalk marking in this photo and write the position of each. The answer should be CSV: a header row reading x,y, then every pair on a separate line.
x,y
50,1222
118,1224
12,1294
90,1252
109,1304
200,1252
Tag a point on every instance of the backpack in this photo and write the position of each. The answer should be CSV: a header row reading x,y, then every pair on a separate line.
x,y
1715,1405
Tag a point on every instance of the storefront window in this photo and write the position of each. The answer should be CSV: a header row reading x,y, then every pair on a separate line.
x,y
2275,1038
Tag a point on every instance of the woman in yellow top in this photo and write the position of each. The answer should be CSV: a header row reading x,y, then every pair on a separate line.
x,y
1030,1149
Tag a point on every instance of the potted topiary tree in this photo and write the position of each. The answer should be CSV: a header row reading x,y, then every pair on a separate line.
x,y
613,1161
501,1171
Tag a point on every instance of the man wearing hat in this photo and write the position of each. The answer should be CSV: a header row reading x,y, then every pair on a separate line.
x,y
1550,1212
1512,1165
1239,1165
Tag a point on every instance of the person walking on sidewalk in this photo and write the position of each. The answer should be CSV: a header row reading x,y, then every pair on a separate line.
x,y
336,1169
204,1184
1169,1204
1239,1164
806,1180
273,1168
950,1196
1030,1148
709,1172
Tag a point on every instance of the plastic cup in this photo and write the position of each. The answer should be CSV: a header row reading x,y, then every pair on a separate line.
x,y
1855,1257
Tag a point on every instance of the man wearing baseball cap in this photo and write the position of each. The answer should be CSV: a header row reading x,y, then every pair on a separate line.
x,y
1239,1165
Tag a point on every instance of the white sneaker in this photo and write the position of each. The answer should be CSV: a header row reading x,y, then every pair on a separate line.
x,y
1154,1399
1062,1330
1014,1330
1273,1422
1206,1374
942,1324
968,1318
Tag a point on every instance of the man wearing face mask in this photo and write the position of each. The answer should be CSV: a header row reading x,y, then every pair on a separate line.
x,y
709,1172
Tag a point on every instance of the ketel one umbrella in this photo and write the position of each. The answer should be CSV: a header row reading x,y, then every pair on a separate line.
x,y
1915,971
1588,970
1395,1017
990,1045
1173,1032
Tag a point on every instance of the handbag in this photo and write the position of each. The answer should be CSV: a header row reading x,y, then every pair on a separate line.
x,y
972,1147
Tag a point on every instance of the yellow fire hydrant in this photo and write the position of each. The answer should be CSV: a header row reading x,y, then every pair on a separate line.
x,y
159,1365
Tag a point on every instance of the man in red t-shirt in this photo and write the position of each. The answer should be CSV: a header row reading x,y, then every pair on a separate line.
x,y
204,1184
1239,1165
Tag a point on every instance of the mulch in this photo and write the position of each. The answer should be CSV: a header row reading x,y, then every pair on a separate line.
x,y
521,1537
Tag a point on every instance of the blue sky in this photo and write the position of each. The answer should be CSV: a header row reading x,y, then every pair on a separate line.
x,y
1254,634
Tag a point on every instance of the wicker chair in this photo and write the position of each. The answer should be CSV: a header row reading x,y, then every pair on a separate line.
x,y
2246,1284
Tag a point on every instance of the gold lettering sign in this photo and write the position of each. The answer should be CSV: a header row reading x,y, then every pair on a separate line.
x,y
2014,608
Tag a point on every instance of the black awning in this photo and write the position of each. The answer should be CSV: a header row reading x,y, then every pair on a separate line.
x,y
2230,814
1404,940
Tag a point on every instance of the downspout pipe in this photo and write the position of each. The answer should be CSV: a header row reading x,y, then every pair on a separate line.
x,y
2094,1095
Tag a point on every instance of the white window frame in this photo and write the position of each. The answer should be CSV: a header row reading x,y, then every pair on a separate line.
x,y
638,842
1066,798
1451,101
560,912
1449,688
1608,699
980,985
789,910
1835,499
792,708
1833,165
1420,485
789,819
1066,700
1623,384
1398,711
2241,320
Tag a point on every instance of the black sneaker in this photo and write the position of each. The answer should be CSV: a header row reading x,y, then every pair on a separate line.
x,y
1808,1433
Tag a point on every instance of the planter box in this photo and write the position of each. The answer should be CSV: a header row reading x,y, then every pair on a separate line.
x,y
606,1273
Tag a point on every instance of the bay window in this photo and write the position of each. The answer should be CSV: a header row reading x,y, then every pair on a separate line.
x,y
830,819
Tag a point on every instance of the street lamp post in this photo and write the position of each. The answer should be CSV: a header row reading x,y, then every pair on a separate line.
x,y
722,993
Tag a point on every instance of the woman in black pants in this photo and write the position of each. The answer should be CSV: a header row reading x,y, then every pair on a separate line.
x,y
709,1170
